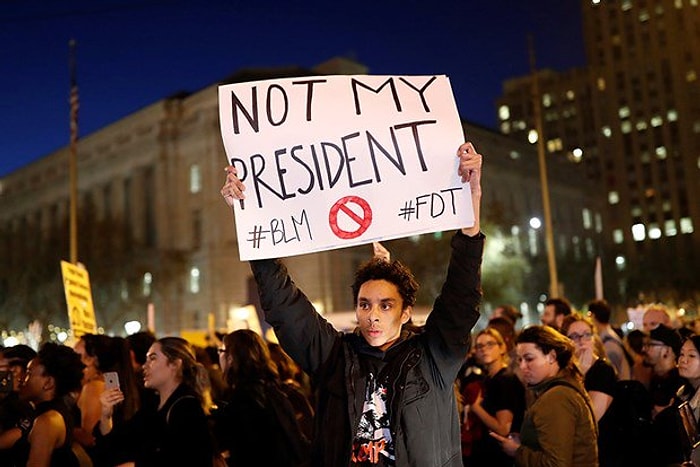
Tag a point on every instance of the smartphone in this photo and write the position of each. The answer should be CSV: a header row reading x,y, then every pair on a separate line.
x,y
5,382
111,380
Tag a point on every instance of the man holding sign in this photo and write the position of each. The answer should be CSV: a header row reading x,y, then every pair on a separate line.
x,y
385,392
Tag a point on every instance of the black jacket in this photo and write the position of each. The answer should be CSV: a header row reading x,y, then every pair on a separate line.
x,y
423,366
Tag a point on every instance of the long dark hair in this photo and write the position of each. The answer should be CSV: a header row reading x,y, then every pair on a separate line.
x,y
192,373
250,361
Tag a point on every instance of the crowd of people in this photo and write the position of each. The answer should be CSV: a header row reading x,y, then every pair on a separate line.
x,y
61,410
573,391
586,393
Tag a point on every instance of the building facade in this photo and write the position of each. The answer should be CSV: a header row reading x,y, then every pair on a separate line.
x,y
631,120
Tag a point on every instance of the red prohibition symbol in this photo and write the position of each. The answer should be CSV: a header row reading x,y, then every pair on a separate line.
x,y
363,222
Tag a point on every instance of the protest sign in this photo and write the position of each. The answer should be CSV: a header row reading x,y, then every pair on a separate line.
x,y
335,161
81,313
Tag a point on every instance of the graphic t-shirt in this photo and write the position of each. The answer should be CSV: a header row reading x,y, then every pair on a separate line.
x,y
373,444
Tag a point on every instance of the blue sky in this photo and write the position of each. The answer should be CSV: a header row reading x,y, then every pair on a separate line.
x,y
133,53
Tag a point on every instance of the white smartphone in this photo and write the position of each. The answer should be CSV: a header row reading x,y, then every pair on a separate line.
x,y
111,380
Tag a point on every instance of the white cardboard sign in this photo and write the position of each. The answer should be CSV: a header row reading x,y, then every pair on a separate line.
x,y
336,161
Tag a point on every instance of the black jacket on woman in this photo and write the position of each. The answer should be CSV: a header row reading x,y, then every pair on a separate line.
x,y
176,434
419,369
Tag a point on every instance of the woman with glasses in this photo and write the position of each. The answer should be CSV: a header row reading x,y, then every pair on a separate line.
x,y
599,379
598,374
501,403
558,426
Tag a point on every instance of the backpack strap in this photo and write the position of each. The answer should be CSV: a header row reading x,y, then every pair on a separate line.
x,y
585,398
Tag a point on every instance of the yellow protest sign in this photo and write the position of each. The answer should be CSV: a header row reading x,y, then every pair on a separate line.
x,y
81,313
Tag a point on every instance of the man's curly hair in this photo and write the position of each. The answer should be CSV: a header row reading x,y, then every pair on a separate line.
x,y
393,272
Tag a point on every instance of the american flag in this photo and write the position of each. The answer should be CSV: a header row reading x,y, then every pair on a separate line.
x,y
74,102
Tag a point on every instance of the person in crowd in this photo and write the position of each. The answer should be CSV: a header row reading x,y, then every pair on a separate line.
x,y
501,405
598,374
508,312
257,425
680,431
634,341
294,385
101,354
653,316
618,355
13,410
176,432
555,310
139,343
599,380
385,394
51,377
559,426
506,329
661,351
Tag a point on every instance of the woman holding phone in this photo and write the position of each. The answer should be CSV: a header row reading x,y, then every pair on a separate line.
x,y
176,431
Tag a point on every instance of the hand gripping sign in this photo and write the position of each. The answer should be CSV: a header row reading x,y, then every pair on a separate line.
x,y
336,161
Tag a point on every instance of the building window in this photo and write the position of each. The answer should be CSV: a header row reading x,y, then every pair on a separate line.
x,y
194,280
532,240
672,115
624,112
547,100
613,197
147,281
654,231
618,236
657,121
587,218
607,132
626,126
687,225
670,228
504,112
620,262
638,232
661,152
195,178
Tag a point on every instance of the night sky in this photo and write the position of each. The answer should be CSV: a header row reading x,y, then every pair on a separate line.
x,y
133,53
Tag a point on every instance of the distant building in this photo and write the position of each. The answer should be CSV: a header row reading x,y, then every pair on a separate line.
x,y
154,229
631,121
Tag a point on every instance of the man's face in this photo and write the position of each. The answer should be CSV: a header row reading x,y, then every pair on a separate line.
x,y
654,351
380,313
653,318
549,317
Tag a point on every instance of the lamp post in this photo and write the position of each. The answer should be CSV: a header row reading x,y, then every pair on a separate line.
x,y
547,212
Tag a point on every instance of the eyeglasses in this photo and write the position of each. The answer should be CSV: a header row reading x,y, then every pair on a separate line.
x,y
577,337
487,345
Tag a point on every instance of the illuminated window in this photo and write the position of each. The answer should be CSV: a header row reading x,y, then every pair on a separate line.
x,y
570,95
656,121
666,206
532,241
641,125
195,179
636,211
607,132
505,127
661,152
515,155
147,281
624,112
638,232
645,157
620,262
626,5
613,197
532,136
598,222
670,228
643,16
601,84
691,76
672,115
687,225
654,231
696,126
618,236
554,145
626,126
546,100
504,112
194,280
587,219
590,248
